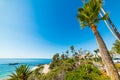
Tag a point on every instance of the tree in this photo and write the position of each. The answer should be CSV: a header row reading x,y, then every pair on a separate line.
x,y
97,58
63,56
72,49
21,73
67,54
56,57
112,28
80,51
55,61
88,15
116,47
96,51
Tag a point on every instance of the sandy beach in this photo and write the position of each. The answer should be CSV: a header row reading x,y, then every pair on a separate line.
x,y
46,69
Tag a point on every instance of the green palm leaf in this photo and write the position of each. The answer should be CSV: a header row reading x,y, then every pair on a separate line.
x,y
89,13
21,73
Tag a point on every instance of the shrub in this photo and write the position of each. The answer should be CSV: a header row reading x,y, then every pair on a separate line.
x,y
85,72
117,66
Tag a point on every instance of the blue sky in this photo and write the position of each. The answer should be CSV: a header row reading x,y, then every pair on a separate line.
x,y
41,28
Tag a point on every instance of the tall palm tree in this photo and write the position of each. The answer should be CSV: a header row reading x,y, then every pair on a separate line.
x,y
111,27
21,73
88,15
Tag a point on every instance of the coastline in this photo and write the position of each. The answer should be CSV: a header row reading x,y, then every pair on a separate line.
x,y
45,70
4,77
6,70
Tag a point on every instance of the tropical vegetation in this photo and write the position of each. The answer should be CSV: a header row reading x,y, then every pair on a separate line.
x,y
78,64
88,15
116,47
67,65
22,72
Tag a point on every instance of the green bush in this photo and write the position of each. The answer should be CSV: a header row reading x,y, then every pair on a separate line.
x,y
85,72
117,66
56,74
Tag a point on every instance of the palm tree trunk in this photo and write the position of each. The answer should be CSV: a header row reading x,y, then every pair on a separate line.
x,y
115,29
113,26
109,27
105,55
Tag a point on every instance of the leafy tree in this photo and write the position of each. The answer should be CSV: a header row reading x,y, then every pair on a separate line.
x,y
88,56
88,15
97,58
63,57
56,61
56,57
67,54
52,65
96,51
116,47
72,49
80,52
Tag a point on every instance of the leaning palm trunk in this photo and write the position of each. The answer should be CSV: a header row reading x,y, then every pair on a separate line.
x,y
105,55
114,28
111,29
115,31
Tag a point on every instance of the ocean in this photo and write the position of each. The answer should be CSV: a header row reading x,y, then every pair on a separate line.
x,y
6,69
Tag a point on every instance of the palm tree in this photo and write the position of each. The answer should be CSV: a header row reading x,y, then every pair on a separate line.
x,y
21,73
112,28
72,48
96,51
97,57
88,15
116,47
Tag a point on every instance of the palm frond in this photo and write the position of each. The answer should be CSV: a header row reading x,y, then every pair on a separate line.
x,y
21,73
89,13
105,16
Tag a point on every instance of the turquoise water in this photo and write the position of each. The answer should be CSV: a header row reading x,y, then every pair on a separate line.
x,y
6,69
